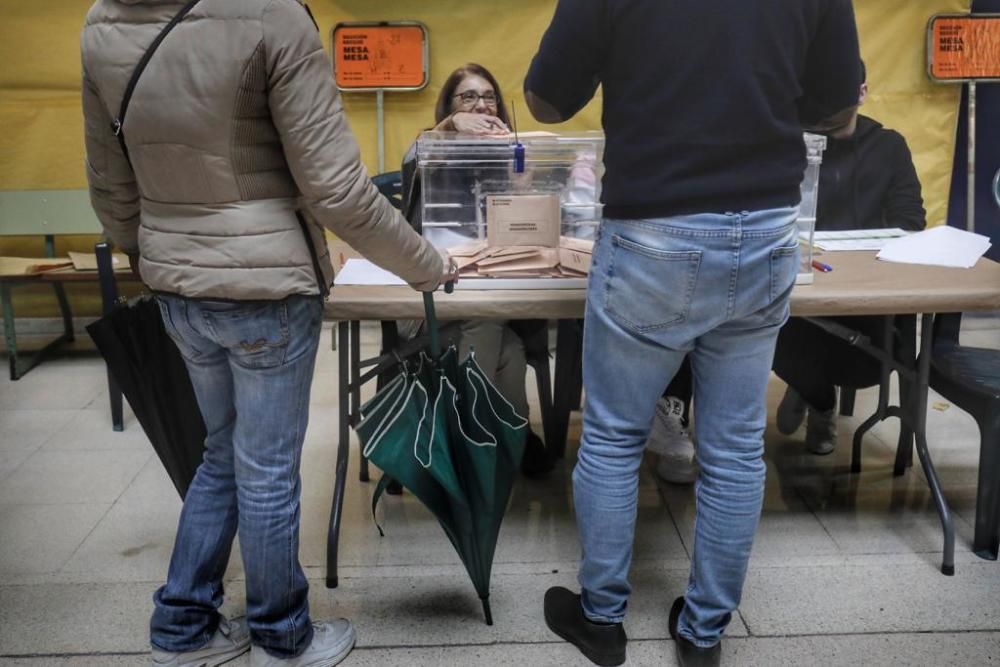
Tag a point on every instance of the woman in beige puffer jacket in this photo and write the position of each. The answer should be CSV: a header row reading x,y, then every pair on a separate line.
x,y
240,153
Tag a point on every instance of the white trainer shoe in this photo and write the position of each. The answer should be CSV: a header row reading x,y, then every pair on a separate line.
x,y
671,442
231,640
331,642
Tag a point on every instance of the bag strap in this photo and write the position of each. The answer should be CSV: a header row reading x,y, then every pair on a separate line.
x,y
324,289
116,124
380,488
432,325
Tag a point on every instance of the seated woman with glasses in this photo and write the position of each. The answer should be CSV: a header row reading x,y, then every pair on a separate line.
x,y
471,102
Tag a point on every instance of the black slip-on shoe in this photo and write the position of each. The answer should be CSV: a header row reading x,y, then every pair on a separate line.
x,y
537,461
689,655
602,644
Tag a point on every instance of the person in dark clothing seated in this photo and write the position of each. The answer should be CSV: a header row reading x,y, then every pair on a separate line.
x,y
867,181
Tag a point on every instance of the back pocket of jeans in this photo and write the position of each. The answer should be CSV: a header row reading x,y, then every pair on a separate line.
x,y
784,269
255,333
648,289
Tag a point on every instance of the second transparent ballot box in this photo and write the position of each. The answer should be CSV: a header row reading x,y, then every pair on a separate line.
x,y
459,173
815,145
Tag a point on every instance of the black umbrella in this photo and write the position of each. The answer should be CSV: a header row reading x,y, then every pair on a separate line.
x,y
154,379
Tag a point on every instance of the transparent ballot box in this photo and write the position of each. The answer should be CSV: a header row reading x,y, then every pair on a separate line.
x,y
460,173
815,145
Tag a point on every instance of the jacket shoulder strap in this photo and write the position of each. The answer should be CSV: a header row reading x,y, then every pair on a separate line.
x,y
116,124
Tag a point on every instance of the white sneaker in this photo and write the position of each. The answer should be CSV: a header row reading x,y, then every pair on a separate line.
x,y
331,642
670,441
231,640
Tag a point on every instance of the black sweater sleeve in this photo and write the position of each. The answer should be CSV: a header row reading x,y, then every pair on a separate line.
x,y
903,205
565,72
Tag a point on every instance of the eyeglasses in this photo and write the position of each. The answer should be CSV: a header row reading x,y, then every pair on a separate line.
x,y
471,97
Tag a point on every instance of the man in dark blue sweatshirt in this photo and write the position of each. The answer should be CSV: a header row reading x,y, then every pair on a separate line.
x,y
704,108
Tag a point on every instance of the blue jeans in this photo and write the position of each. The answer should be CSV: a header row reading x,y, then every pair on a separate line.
x,y
715,287
251,364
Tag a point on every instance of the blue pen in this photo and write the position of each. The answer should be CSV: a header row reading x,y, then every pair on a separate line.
x,y
820,266
518,146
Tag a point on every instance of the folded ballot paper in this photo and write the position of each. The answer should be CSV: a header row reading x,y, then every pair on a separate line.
x,y
498,267
938,246
570,259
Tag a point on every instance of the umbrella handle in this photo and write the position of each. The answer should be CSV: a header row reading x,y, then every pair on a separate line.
x,y
432,322
432,325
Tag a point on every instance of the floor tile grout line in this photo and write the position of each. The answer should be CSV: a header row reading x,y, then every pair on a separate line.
x,y
543,643
673,519
114,503
76,578
819,520
59,429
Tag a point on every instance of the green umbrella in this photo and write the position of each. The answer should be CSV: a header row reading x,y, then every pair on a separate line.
x,y
445,432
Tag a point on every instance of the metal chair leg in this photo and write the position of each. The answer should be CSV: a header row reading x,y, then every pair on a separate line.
x,y
343,454
356,390
883,397
543,381
918,413
9,332
986,541
565,388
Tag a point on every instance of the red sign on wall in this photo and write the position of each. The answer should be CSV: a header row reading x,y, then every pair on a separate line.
x,y
387,55
964,47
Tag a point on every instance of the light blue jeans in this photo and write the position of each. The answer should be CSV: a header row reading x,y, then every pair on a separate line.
x,y
715,287
251,364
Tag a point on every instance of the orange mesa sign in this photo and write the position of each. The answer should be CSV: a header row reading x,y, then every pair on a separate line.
x,y
387,55
964,47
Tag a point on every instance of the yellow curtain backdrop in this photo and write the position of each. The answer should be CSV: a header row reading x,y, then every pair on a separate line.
x,y
903,98
41,143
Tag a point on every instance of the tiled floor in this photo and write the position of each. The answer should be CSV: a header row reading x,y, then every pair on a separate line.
x,y
844,571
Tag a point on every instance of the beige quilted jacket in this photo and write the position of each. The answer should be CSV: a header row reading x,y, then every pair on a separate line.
x,y
234,127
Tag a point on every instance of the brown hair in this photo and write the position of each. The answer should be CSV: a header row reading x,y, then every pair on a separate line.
x,y
443,108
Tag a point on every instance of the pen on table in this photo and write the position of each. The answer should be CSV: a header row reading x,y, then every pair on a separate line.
x,y
820,266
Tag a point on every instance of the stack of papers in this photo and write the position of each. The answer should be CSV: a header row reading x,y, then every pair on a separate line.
x,y
854,239
479,260
87,261
939,246
571,259
23,266
78,261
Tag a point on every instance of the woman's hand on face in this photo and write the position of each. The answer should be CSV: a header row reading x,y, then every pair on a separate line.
x,y
478,123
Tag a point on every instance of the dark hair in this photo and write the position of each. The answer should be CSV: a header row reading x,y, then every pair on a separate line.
x,y
443,108
864,72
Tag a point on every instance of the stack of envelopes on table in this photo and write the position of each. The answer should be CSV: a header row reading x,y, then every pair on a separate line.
x,y
480,260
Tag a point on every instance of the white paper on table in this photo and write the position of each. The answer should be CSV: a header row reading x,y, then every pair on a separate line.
x,y
363,272
938,246
855,239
